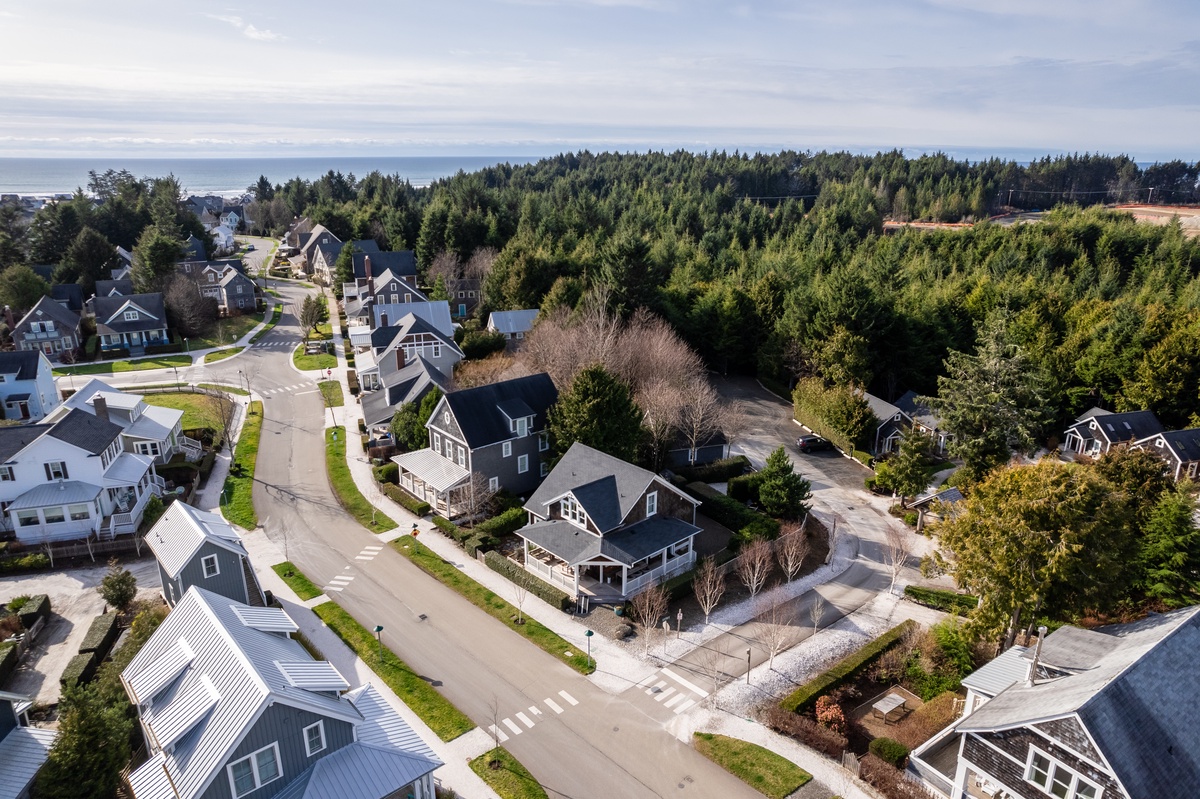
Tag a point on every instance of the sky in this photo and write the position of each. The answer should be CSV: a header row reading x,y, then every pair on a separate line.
x,y
1015,78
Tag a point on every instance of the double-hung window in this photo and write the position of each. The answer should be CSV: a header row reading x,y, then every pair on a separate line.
x,y
1056,779
522,464
314,738
211,569
6,474
255,770
651,503
56,470
437,442
506,449
523,426
543,442
462,457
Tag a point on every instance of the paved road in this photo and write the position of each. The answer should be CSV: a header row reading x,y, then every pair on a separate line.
x,y
578,741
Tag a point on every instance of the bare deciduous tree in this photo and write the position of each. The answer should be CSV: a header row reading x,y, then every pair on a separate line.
x,y
895,551
816,610
709,585
651,350
660,403
773,628
474,497
646,608
520,591
446,266
492,369
191,313
791,549
711,660
754,565
701,416
494,712
222,407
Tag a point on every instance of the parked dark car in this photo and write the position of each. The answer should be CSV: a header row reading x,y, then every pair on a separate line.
x,y
812,444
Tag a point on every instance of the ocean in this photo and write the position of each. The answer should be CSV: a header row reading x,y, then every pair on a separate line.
x,y
225,176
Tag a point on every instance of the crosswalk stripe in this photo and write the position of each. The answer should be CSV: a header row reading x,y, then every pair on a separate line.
x,y
373,549
333,588
342,580
671,702
685,705
525,720
570,699
509,723
535,710
658,686
550,703
499,733
364,557
686,684
661,695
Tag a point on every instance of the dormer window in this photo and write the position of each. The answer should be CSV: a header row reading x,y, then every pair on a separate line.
x,y
651,503
573,512
131,316
522,426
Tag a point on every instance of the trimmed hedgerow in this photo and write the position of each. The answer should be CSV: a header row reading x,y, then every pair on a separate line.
x,y
962,604
38,607
845,670
542,590
8,660
80,669
507,522
746,524
889,750
405,500
101,636
715,472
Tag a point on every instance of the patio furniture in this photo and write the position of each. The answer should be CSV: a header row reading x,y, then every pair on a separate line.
x,y
889,705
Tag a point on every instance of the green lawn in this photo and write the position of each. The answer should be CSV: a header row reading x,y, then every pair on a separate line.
x,y
505,775
226,331
761,769
239,505
275,314
331,390
308,362
551,642
241,392
304,587
116,367
446,721
343,485
220,355
198,409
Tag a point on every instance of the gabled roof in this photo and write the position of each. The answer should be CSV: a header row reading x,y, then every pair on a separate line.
x,y
1136,696
180,533
22,363
14,438
606,487
1009,667
110,313
436,314
107,288
1184,444
1117,427
359,771
882,409
70,295
47,309
918,412
22,753
193,249
481,412
400,262
509,322
400,386
411,325
214,700
627,546
82,429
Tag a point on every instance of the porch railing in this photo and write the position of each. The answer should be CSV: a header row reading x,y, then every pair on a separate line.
x,y
550,574
672,568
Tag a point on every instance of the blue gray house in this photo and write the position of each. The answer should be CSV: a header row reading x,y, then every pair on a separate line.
x,y
232,706
202,549
23,749
27,385
514,325
131,322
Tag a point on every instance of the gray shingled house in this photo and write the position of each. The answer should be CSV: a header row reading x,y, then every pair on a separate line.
x,y
202,549
1179,449
606,528
1097,431
1090,714
131,322
48,327
497,430
232,706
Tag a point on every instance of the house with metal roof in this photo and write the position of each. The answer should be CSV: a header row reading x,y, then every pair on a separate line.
x,y
232,706
194,547
514,325
1108,713
149,430
23,749
27,389
131,322
49,328
1097,431
498,431
386,288
606,528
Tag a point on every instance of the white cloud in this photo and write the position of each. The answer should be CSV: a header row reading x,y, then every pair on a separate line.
x,y
248,30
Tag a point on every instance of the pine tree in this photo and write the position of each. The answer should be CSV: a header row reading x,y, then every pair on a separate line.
x,y
598,411
92,747
783,492
1170,550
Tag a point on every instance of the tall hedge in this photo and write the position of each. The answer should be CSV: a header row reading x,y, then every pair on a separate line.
x,y
538,587
38,607
840,414
746,524
101,636
845,670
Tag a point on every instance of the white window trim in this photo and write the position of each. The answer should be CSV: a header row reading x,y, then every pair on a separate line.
x,y
506,449
573,512
522,464
651,503
204,561
543,442
493,484
320,727
545,470
437,442
253,758
7,474
1055,766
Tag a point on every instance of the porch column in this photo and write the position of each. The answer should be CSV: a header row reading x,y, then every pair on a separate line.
x,y
664,556
600,570
576,571
525,546
624,577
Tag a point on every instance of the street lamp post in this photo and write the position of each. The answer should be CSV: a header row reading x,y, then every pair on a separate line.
x,y
187,347
379,639
247,378
589,635
747,665
679,624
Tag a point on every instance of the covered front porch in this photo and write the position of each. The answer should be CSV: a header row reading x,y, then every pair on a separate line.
x,y
135,341
432,478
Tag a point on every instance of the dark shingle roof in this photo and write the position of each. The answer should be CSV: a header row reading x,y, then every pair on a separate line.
x,y
89,433
401,262
105,288
23,364
479,411
111,319
627,546
193,249
1130,426
15,438
69,295
409,384
1185,443
47,308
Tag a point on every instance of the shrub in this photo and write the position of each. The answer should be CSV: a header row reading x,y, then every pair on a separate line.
x,y
34,560
8,661
387,473
889,750
889,780
910,518
805,730
101,635
80,669
16,603
745,523
38,607
450,528
352,381
477,344
830,715
715,472
408,501
207,462
928,720
362,426
941,599
544,591
507,522
745,487
479,543
839,414
118,586
163,349
845,670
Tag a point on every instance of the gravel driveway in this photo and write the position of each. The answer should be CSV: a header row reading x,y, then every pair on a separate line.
x,y
74,602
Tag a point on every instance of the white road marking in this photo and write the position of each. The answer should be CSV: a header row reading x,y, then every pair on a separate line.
x,y
689,685
515,729
333,588
671,702
684,706
663,694
550,703
658,686
303,393
570,699
525,720
364,557
535,710
373,549
499,733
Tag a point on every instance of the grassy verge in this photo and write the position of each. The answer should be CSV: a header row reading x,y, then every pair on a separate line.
x,y
220,355
226,331
309,362
551,642
116,367
505,775
331,390
239,504
199,410
761,769
343,485
446,721
241,392
304,587
278,312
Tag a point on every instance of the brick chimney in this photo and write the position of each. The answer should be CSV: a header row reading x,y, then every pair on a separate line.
x,y
399,357
101,406
382,319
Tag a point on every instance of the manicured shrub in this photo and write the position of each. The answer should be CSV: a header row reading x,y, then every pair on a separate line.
x,y
542,590
362,426
845,670
479,543
38,607
745,523
889,750
387,473
163,349
507,522
101,636
805,730
450,528
30,562
715,472
477,344
744,488
352,381
16,603
8,661
207,462
406,500
80,669
941,599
